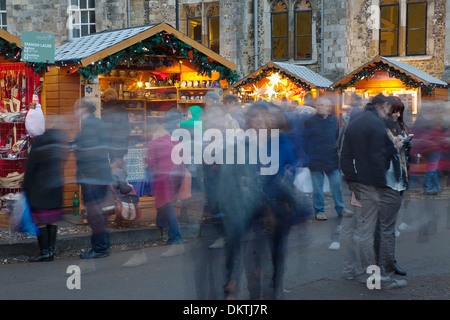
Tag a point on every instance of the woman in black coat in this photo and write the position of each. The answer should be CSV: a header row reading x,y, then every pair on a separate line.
x,y
43,187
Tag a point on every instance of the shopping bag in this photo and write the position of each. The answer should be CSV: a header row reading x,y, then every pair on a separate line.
x,y
35,121
21,219
303,181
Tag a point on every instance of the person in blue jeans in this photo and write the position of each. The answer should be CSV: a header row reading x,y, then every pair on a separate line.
x,y
167,180
321,133
334,178
431,184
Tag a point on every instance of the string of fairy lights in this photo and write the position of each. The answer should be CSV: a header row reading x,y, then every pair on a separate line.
x,y
165,49
370,70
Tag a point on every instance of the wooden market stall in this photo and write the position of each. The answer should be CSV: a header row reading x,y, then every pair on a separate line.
x,y
153,68
18,83
391,77
277,80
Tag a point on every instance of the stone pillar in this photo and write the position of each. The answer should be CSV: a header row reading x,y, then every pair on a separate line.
x,y
446,76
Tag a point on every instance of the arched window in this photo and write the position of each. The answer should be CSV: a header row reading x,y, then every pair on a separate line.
x,y
194,22
416,27
303,30
279,31
389,27
213,28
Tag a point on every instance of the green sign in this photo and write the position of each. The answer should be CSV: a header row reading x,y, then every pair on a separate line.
x,y
38,47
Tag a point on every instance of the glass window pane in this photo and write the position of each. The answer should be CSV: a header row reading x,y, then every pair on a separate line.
x,y
75,33
92,16
416,42
4,19
303,23
92,4
195,29
84,30
92,29
3,5
84,17
214,28
389,43
279,25
74,2
417,15
279,48
215,46
83,4
389,18
303,47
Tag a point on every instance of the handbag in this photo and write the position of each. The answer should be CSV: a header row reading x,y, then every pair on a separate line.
x,y
127,207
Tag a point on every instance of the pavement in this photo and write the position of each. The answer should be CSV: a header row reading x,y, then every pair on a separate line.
x,y
74,235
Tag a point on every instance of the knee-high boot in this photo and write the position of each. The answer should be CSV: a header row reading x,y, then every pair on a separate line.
x,y
52,230
44,254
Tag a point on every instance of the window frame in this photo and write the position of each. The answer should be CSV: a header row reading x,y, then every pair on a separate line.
x,y
209,32
398,29
295,35
188,28
272,13
407,29
77,10
3,13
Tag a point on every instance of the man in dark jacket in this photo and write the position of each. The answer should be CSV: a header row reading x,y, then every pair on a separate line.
x,y
365,156
93,174
321,132
116,120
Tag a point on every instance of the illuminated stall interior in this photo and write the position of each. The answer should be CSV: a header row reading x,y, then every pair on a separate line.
x,y
277,80
19,82
391,77
154,68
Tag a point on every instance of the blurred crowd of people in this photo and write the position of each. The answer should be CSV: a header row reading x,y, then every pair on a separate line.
x,y
365,150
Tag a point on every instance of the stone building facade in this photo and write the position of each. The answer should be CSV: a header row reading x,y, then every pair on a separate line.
x,y
344,33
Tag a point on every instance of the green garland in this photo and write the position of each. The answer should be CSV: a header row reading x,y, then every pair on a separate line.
x,y
393,73
164,44
8,50
263,74
11,52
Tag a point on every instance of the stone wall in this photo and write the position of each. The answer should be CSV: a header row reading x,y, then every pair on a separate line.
x,y
349,41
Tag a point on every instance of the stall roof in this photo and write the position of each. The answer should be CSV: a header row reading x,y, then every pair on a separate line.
x,y
401,66
9,37
301,73
97,46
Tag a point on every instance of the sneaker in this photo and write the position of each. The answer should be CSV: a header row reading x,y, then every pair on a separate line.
x,y
396,284
321,216
137,259
218,244
402,226
174,250
334,246
347,213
